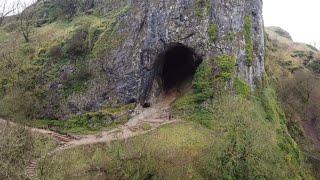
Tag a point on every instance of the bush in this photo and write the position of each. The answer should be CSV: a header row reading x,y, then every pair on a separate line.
x,y
18,147
315,66
78,44
20,105
226,65
16,144
242,88
203,79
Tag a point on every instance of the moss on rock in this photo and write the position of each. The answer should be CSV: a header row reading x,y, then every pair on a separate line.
x,y
248,39
226,65
213,32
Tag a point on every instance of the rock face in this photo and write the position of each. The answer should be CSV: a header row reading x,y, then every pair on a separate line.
x,y
144,31
150,27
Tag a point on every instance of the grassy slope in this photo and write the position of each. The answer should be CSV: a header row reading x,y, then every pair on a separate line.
x,y
239,142
293,55
225,137
170,152
24,91
18,146
280,51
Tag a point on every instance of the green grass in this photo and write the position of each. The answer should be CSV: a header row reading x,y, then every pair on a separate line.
x,y
241,88
170,152
228,138
245,125
3,35
18,147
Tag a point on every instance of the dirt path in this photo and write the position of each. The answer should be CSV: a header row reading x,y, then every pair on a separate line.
x,y
148,120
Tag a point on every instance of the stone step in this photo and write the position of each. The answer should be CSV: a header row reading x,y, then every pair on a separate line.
x,y
62,138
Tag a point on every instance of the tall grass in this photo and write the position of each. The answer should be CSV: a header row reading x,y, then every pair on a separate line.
x,y
18,146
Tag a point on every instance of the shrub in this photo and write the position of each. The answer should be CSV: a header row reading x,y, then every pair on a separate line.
x,y
242,88
226,65
55,52
16,144
18,147
77,82
78,44
315,66
203,79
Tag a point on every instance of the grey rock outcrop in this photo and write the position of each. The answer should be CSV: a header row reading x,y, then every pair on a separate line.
x,y
149,26
143,30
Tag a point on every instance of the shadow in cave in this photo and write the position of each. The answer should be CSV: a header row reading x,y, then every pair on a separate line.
x,y
179,66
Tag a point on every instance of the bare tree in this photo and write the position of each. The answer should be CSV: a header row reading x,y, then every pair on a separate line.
x,y
5,10
25,19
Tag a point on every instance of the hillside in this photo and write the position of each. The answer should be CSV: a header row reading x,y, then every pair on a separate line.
x,y
294,54
116,89
293,68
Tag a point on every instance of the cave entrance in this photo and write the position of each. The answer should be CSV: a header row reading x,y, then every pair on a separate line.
x,y
179,66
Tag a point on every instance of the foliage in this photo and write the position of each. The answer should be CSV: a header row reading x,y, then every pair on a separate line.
x,y
203,79
298,96
29,71
226,65
213,32
15,150
245,148
271,106
315,66
78,44
230,36
250,143
248,39
241,88
18,146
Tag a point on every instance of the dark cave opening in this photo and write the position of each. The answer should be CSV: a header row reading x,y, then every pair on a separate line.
x,y
179,66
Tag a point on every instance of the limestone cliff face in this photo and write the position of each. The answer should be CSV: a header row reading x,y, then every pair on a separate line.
x,y
145,29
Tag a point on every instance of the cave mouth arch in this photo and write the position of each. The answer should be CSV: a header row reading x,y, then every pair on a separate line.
x,y
179,64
